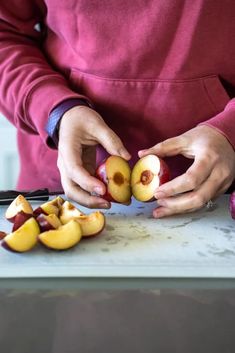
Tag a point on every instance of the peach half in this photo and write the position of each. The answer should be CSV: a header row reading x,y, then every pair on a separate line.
x,y
148,173
115,173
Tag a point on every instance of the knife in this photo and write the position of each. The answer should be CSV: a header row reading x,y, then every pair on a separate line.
x,y
7,196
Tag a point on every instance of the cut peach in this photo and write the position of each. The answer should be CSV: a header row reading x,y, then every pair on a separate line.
x,y
20,219
19,204
24,238
62,238
58,201
48,222
68,212
2,235
49,207
148,173
91,224
115,173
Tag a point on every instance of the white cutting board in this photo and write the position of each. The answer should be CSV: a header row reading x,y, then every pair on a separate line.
x,y
197,245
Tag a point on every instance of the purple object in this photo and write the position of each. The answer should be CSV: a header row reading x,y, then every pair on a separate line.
x,y
55,116
232,204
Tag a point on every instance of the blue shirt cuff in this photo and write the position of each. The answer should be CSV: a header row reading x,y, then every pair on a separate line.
x,y
52,126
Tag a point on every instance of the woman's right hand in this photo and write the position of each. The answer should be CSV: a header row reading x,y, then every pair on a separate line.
x,y
81,129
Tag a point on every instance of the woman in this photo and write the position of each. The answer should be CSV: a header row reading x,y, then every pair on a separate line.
x,y
132,77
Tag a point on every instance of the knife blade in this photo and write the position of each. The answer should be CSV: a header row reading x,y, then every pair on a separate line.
x,y
7,196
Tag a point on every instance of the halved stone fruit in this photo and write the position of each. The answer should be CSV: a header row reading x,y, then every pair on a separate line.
x,y
115,173
148,173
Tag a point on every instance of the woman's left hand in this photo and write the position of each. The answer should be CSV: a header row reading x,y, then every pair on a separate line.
x,y
210,175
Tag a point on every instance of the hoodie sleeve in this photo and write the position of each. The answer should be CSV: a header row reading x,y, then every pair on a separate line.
x,y
29,87
224,122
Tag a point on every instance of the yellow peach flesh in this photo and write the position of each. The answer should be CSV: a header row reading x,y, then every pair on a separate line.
x,y
118,174
144,177
62,238
25,237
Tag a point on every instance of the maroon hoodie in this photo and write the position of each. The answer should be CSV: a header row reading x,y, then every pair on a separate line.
x,y
153,69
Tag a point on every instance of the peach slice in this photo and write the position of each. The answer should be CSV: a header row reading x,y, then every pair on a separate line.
x,y
19,204
91,224
2,234
49,207
24,238
48,222
62,238
115,173
20,219
68,212
58,201
148,173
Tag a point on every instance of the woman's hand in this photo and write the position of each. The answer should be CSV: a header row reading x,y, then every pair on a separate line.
x,y
212,172
81,129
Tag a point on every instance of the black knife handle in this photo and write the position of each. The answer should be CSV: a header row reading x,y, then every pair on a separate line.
x,y
7,196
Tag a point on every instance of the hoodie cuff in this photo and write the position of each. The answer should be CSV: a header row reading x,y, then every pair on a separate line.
x,y
224,122
42,98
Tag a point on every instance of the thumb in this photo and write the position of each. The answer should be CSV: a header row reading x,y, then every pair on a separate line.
x,y
111,142
167,148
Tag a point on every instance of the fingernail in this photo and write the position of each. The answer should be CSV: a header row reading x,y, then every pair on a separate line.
x,y
158,213
161,202
142,153
104,205
98,190
124,153
159,195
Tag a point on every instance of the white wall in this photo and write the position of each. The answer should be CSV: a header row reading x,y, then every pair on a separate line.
x,y
9,163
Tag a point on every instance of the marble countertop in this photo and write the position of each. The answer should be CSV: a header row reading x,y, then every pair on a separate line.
x,y
134,245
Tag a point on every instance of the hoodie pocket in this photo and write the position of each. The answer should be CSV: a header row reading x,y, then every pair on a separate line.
x,y
216,93
144,112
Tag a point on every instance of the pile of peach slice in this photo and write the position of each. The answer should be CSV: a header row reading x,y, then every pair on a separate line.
x,y
57,224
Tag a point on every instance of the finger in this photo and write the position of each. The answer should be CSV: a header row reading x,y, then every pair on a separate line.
x,y
111,142
74,192
82,197
169,147
190,201
192,179
224,187
73,165
89,158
